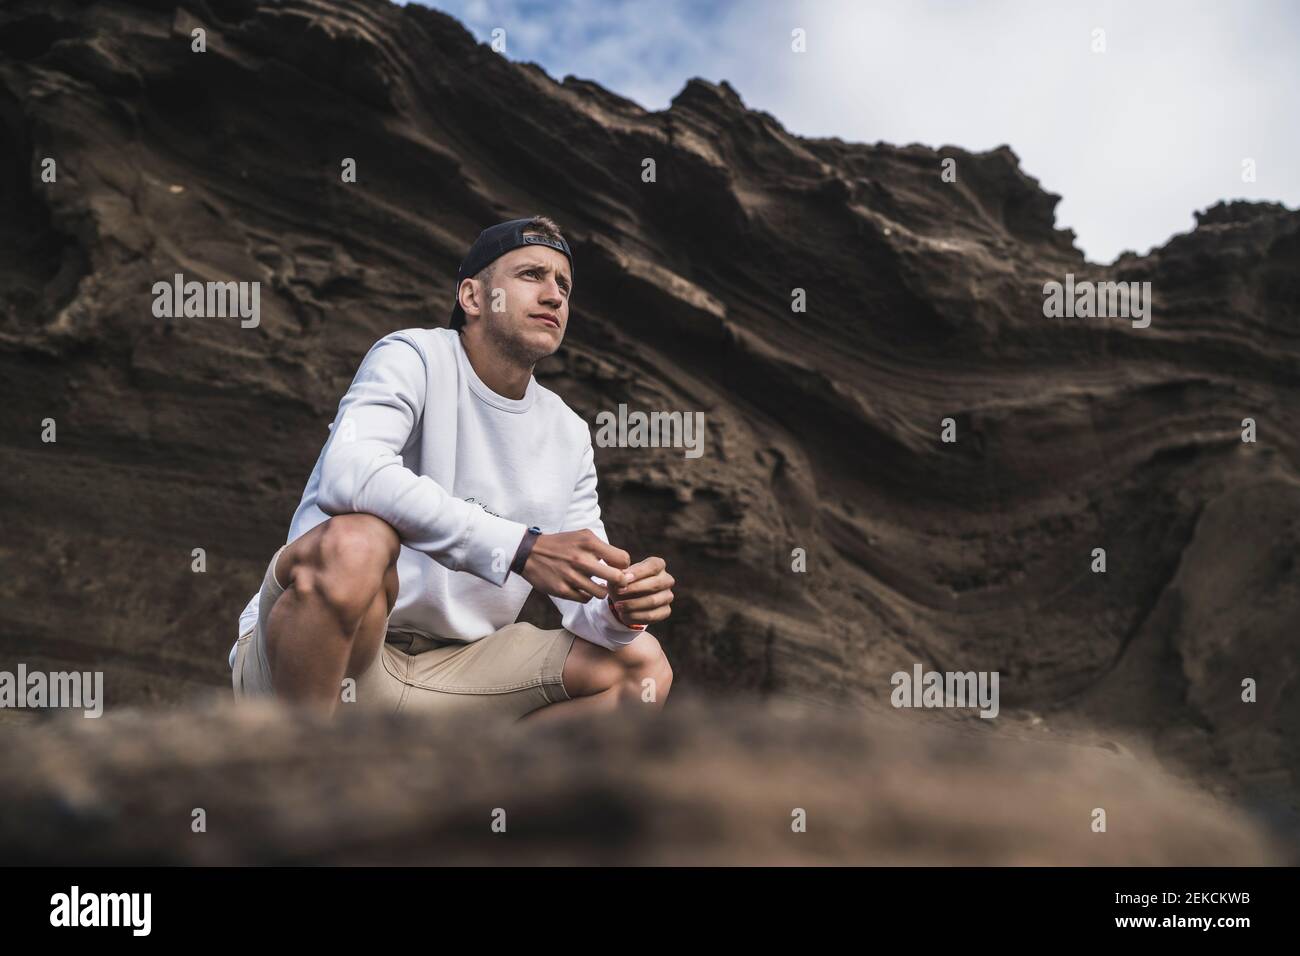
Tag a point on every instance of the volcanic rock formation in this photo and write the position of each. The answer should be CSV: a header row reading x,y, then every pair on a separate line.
x,y
924,302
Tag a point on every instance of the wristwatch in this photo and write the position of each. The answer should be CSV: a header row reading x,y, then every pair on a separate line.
x,y
525,548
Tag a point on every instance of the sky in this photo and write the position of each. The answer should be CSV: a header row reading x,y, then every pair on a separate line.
x,y
1134,137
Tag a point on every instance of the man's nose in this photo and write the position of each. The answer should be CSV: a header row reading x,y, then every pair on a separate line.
x,y
551,294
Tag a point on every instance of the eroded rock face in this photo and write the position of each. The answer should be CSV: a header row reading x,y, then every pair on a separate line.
x,y
719,782
924,302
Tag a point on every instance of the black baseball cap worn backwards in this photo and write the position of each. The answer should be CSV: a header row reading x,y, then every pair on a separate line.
x,y
493,243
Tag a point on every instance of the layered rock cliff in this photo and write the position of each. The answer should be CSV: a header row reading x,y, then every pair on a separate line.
x,y
924,302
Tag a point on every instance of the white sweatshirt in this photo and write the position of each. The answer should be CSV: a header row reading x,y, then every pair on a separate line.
x,y
461,473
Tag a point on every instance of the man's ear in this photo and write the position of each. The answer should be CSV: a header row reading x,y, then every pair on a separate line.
x,y
466,296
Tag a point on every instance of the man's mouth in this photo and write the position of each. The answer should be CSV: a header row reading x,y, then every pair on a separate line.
x,y
546,317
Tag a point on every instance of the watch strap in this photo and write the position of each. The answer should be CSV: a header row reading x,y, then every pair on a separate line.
x,y
525,548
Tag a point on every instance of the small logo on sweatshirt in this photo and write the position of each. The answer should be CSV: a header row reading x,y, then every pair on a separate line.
x,y
475,501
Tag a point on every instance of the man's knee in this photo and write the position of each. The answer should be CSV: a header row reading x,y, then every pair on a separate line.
x,y
358,542
647,673
348,563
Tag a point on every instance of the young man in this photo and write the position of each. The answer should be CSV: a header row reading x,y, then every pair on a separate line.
x,y
451,485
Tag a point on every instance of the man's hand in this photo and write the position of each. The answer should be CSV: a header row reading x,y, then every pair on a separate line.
x,y
647,598
562,565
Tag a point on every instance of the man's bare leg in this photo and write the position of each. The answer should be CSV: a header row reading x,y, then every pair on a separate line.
x,y
600,681
340,583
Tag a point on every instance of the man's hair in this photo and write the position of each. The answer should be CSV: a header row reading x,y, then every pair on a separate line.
x,y
537,226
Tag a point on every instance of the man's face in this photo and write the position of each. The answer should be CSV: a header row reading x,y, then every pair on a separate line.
x,y
524,310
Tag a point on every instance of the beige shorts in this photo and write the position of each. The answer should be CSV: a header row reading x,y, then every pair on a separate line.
x,y
510,672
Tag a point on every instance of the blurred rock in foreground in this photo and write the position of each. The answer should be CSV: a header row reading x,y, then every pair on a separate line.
x,y
705,783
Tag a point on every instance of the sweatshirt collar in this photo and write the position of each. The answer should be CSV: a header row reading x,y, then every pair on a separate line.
x,y
481,389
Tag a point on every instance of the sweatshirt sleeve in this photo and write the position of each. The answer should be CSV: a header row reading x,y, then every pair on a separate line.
x,y
593,621
362,470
